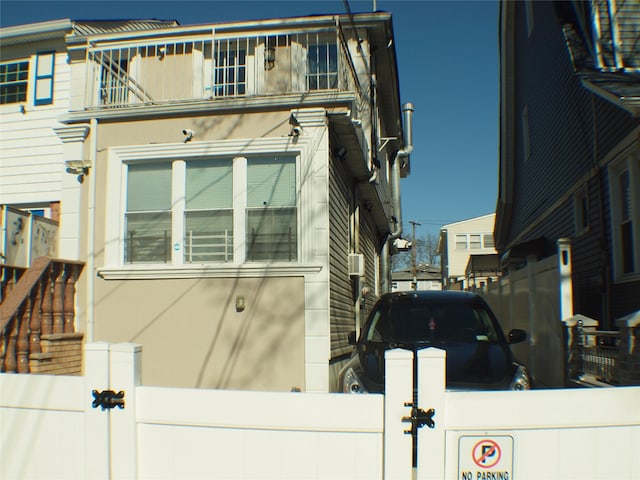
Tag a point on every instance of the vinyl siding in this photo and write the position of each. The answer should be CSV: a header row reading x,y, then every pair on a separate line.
x,y
571,131
342,315
32,163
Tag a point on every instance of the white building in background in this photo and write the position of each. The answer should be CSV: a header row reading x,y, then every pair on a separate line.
x,y
458,242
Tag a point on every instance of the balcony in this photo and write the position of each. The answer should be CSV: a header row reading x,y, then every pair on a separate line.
x,y
214,67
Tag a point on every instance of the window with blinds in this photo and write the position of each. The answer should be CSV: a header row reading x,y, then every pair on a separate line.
x,y
271,209
208,216
148,213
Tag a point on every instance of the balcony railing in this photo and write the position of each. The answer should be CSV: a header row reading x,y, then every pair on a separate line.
x,y
36,303
188,69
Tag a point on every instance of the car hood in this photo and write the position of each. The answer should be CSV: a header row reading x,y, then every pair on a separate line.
x,y
480,365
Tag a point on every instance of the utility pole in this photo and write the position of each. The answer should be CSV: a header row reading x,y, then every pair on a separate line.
x,y
413,254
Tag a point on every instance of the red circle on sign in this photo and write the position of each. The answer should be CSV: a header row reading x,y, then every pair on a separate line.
x,y
486,453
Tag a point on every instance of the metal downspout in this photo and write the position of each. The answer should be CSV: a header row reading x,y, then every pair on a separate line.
x,y
91,214
404,154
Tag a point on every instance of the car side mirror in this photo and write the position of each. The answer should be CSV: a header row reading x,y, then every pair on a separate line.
x,y
517,335
351,338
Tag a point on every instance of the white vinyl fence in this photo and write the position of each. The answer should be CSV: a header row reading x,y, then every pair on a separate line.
x,y
53,427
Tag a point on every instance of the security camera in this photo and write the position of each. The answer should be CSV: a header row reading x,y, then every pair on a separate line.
x,y
189,134
296,131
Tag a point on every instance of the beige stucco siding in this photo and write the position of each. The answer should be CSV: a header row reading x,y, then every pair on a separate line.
x,y
193,336
209,127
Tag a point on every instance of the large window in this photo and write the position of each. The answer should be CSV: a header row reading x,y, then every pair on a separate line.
x,y
212,210
208,223
271,209
624,183
14,78
148,214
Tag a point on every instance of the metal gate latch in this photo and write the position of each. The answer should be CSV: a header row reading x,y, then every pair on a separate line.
x,y
108,399
419,418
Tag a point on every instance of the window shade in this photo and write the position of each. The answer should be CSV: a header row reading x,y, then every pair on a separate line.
x,y
149,187
271,182
209,184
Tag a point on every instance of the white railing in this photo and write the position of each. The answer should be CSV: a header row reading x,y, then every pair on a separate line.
x,y
208,248
207,68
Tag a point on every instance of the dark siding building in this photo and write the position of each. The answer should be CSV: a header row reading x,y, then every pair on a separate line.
x,y
570,145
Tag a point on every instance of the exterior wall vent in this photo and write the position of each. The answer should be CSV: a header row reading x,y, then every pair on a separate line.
x,y
356,265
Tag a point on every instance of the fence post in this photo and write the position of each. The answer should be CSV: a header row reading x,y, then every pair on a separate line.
x,y
566,287
125,376
398,391
97,441
431,394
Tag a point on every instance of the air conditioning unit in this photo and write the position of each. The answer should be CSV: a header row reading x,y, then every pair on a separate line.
x,y
356,265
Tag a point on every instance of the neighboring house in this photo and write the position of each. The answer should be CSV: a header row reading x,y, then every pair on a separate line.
x,y
570,146
481,269
235,189
427,277
458,242
34,92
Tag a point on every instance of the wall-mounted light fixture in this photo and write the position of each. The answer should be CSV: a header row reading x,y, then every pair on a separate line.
x,y
269,57
240,303
78,167
162,51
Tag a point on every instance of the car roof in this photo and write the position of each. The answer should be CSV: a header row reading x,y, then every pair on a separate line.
x,y
429,296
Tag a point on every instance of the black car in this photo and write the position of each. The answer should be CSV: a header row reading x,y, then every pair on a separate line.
x,y
478,352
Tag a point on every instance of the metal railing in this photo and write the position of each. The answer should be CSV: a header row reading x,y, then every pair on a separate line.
x,y
217,66
599,352
208,248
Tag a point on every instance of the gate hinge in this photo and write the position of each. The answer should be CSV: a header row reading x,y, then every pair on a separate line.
x,y
419,418
108,399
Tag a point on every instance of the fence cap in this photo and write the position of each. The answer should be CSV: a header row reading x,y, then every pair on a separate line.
x,y
586,321
630,321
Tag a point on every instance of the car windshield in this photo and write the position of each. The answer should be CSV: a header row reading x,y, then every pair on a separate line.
x,y
420,323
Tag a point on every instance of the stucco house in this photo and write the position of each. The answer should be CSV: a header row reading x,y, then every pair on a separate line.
x,y
458,242
232,189
570,146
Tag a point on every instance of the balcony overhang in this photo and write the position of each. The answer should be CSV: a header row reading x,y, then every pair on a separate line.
x,y
622,90
221,106
373,194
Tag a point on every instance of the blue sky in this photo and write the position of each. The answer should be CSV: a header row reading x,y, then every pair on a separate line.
x,y
448,64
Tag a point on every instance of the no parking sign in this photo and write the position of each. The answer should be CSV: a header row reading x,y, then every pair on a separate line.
x,y
485,458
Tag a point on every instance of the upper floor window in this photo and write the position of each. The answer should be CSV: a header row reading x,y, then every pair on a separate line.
x,y
14,78
474,241
322,67
44,78
624,184
230,70
581,211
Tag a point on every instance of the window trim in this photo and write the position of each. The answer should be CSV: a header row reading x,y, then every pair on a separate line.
x,y
47,99
118,158
22,82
